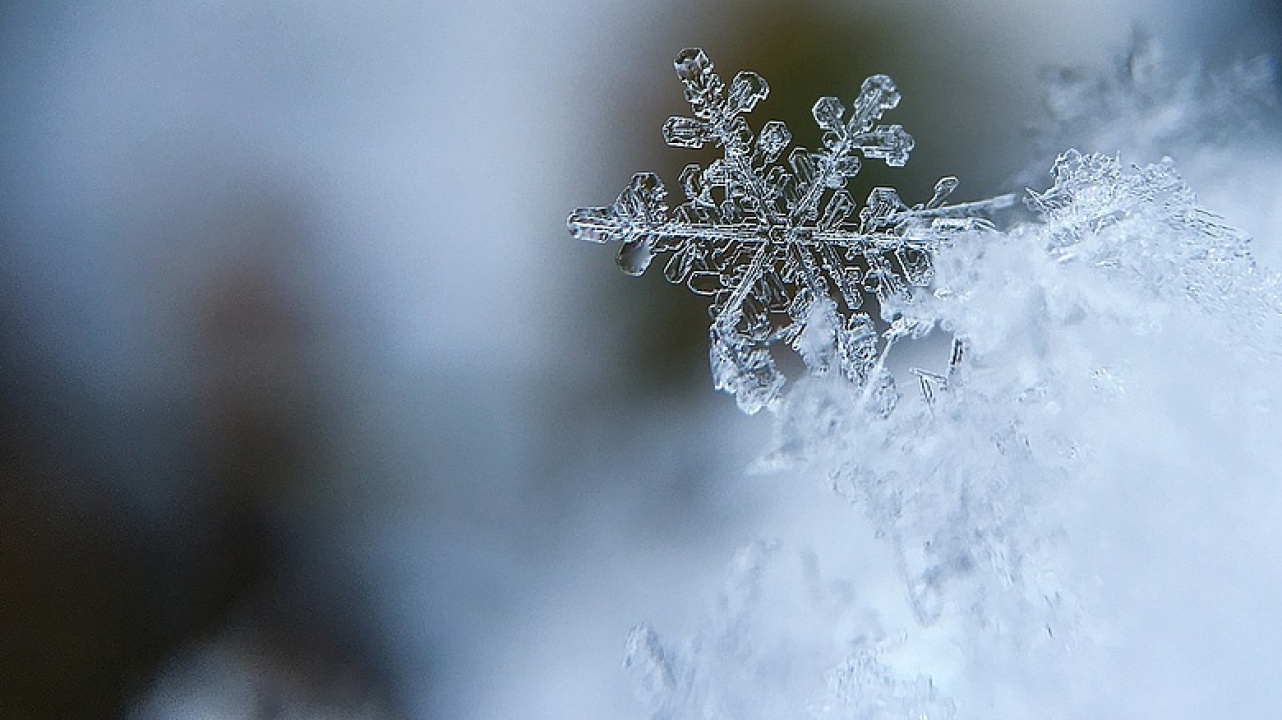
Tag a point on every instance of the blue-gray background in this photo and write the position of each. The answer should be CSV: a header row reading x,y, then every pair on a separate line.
x,y
297,350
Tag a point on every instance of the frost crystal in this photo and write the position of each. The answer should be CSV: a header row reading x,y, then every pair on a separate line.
x,y
1144,225
741,666
1062,318
782,248
1118,305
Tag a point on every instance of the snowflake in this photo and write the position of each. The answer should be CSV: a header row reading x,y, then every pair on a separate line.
x,y
783,250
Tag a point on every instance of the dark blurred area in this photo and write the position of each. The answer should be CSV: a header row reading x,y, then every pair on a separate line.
x,y
309,406
96,602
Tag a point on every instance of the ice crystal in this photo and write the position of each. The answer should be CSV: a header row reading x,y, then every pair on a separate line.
x,y
864,688
741,666
1060,318
782,248
1114,251
1118,299
1144,223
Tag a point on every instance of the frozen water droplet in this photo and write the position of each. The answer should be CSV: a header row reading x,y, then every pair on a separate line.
x,y
877,95
774,137
692,65
635,256
889,143
840,206
943,189
746,90
828,112
684,132
704,283
592,224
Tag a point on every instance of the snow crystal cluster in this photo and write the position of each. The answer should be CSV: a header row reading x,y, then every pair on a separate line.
x,y
1060,326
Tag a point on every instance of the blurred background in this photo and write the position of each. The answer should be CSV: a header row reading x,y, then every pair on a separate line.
x,y
309,404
